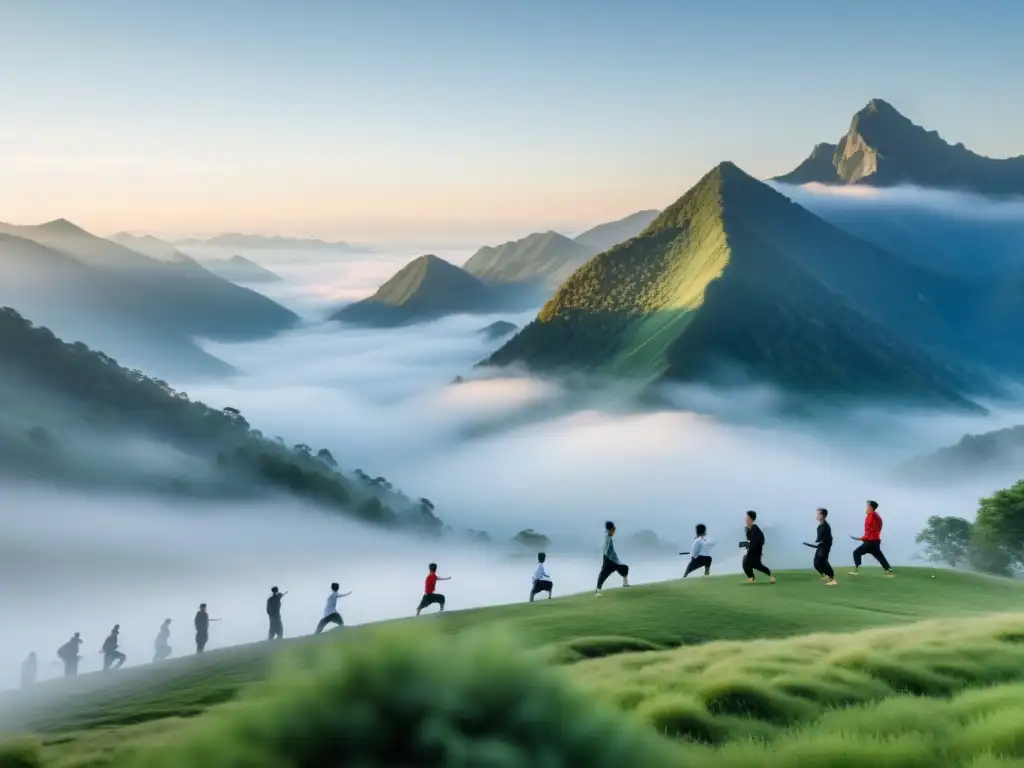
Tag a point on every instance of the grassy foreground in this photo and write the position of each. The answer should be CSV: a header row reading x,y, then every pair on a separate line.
x,y
926,669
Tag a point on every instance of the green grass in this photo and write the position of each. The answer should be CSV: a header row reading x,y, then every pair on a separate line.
x,y
730,673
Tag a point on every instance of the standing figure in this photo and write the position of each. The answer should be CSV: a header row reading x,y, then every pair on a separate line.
x,y
610,561
112,656
69,654
162,647
274,614
202,623
29,671
541,580
871,541
822,547
331,615
700,552
430,595
755,550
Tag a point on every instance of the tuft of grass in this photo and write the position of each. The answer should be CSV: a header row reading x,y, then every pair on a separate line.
x,y
21,753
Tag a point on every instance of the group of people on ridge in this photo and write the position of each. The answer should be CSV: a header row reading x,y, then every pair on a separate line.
x,y
700,558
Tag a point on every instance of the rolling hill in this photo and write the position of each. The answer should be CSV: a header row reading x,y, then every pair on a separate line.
x,y
543,259
147,245
736,276
180,294
883,148
604,236
239,269
426,288
91,305
997,454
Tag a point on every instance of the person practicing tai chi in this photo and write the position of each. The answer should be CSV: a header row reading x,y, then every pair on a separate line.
x,y
162,645
700,552
871,541
112,656
822,547
274,614
331,615
430,594
202,622
755,550
610,561
69,654
541,580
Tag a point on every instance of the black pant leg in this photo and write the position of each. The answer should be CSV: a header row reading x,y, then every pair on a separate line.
x,y
607,569
876,552
747,570
859,552
822,565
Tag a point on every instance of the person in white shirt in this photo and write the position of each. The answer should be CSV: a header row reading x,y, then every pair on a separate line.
x,y
541,579
700,552
331,615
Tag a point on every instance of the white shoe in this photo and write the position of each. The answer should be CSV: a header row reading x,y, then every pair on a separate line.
x,y
598,593
625,581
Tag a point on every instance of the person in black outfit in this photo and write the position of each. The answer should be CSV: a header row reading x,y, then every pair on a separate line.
x,y
112,656
822,547
202,628
274,613
68,653
755,549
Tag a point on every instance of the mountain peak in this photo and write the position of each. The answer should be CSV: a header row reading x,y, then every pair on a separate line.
x,y
61,227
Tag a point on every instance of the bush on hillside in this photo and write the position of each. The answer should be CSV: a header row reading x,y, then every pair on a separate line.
x,y
21,753
946,540
404,699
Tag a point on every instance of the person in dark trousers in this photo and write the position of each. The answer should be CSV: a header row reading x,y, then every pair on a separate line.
x,y
755,550
274,614
699,553
610,561
430,594
871,541
69,654
29,670
162,646
822,547
331,615
112,656
202,623
541,580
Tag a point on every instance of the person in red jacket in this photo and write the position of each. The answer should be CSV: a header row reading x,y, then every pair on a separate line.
x,y
871,541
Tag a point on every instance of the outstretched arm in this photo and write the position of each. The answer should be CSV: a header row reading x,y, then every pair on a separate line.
x,y
345,594
444,578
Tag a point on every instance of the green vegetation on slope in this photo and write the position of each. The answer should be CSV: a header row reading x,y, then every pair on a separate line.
x,y
51,390
734,699
734,274
883,148
425,288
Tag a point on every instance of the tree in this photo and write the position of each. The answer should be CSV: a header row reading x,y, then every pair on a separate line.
x,y
999,527
530,538
326,457
302,449
946,540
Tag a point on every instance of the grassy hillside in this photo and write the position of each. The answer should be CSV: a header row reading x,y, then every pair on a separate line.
x,y
883,148
604,236
543,257
734,273
425,288
180,294
694,661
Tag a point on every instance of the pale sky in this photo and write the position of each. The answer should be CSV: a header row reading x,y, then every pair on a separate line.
x,y
460,120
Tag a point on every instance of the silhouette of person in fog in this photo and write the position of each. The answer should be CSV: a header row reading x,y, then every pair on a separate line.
x,y
29,670
112,656
202,627
162,647
274,614
68,653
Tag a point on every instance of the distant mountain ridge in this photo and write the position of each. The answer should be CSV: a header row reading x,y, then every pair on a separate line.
x,y
427,287
241,270
604,236
543,257
239,240
735,274
883,148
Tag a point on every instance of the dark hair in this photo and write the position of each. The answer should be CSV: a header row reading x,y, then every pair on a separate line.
x,y
202,605
541,557
752,514
873,504
432,566
609,525
274,590
824,512
334,586
117,628
701,529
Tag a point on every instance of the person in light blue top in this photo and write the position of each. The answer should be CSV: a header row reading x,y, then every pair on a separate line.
x,y
700,552
610,563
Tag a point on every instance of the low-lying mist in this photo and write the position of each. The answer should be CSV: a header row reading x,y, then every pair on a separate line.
x,y
498,452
